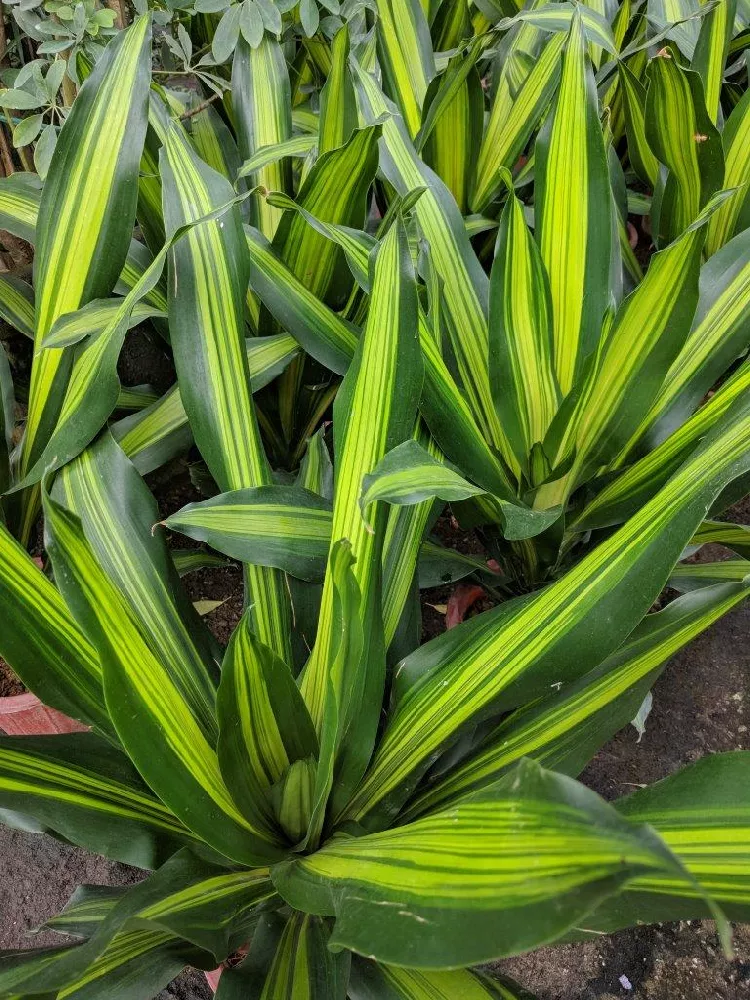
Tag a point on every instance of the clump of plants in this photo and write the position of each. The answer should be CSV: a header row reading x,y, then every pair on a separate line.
x,y
389,249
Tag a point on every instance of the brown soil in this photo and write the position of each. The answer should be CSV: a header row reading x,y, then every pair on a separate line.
x,y
9,683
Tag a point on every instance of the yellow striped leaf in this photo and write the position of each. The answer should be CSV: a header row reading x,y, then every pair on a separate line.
x,y
19,204
684,139
734,215
375,410
568,627
264,725
117,512
572,203
209,266
521,335
375,981
688,577
155,723
82,788
17,303
405,55
711,52
648,331
642,160
492,864
564,730
338,102
702,813
516,109
261,102
464,282
88,202
161,431
620,498
42,642
289,958
718,336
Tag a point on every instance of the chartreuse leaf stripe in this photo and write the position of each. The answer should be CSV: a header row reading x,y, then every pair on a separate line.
x,y
492,863
703,814
520,44
335,191
640,155
410,474
683,138
20,195
85,790
188,899
375,981
331,340
564,730
161,430
85,909
689,576
94,363
143,959
17,303
453,125
117,512
465,285
522,370
153,720
734,536
207,286
648,332
262,106
88,202
298,145
283,526
42,642
405,56
717,337
625,572
19,204
573,205
289,960
264,724
711,50
404,532
141,946
319,331
215,143
523,114
557,17
94,318
664,13
621,497
376,408
338,102
733,216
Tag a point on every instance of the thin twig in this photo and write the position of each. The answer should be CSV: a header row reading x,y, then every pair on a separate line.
x,y
120,12
3,36
5,154
199,107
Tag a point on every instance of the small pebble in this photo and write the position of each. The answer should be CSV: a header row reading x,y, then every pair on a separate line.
x,y
625,983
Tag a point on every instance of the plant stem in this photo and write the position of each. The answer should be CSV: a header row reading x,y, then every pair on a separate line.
x,y
26,160
5,154
3,36
199,107
120,12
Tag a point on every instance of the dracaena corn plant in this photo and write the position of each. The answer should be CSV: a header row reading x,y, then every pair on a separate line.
x,y
357,814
